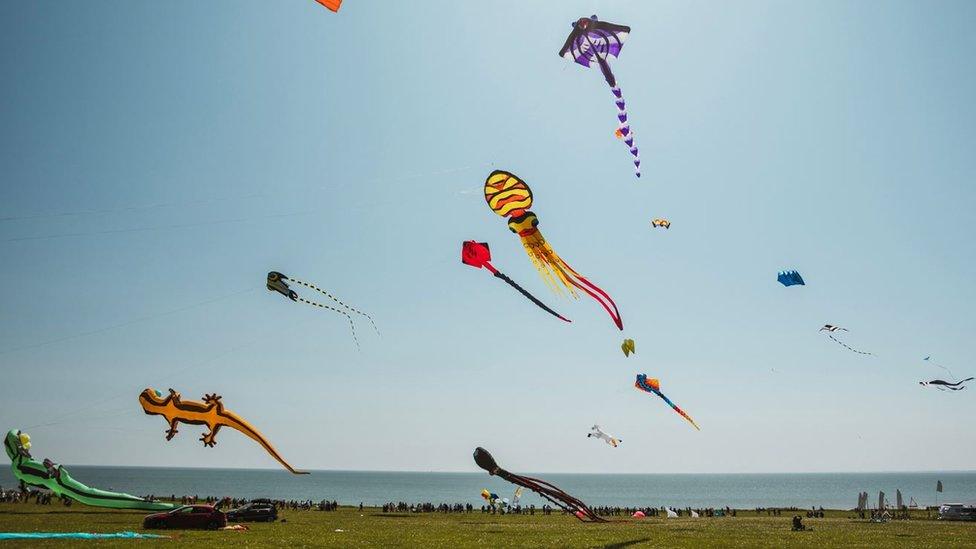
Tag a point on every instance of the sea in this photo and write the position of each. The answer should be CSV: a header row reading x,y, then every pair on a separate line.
x,y
373,488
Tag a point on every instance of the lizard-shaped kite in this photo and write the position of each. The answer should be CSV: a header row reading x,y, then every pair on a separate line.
x,y
210,412
54,477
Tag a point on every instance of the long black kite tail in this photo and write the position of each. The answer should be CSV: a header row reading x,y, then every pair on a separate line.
x,y
531,297
848,347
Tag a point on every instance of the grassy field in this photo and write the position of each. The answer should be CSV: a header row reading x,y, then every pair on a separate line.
x,y
372,528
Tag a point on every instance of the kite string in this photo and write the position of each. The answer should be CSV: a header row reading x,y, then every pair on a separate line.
x,y
127,322
936,364
63,418
337,300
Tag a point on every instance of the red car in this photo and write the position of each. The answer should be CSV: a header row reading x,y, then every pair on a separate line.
x,y
188,516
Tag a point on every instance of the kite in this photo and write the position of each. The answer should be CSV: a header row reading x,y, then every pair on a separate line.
x,y
561,499
829,328
945,385
652,385
937,365
489,497
210,412
661,223
510,197
78,535
517,495
331,4
627,347
790,278
276,283
592,40
477,254
596,432
54,477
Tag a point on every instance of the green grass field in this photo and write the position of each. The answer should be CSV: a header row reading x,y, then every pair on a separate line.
x,y
372,528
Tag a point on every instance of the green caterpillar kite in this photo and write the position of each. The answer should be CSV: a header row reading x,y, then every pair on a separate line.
x,y
54,477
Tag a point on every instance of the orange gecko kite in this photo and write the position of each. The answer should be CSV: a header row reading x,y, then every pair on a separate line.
x,y
210,412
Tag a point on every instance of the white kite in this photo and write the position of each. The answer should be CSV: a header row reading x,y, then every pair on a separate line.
x,y
595,431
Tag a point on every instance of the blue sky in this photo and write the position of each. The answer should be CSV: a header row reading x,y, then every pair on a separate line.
x,y
159,158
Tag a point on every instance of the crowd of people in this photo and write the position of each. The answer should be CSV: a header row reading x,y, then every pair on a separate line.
x,y
26,496
404,507
42,497
233,503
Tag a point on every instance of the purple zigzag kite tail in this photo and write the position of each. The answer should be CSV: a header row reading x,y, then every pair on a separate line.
x,y
594,42
624,128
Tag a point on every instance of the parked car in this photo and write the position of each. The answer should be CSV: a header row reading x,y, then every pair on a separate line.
x,y
957,511
188,516
259,510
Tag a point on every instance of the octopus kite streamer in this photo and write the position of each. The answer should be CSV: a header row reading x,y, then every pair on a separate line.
x,y
592,41
276,283
559,498
653,386
509,196
478,255
210,412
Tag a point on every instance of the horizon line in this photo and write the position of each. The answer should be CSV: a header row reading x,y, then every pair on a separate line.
x,y
414,471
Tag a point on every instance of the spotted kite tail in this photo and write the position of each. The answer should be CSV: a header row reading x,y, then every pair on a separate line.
x,y
625,133
848,347
352,326
339,301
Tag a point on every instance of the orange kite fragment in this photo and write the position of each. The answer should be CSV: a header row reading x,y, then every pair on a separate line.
x,y
331,4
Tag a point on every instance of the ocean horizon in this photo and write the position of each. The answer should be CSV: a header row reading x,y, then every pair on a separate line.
x,y
374,488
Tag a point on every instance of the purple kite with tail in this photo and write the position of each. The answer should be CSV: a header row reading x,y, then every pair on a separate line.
x,y
594,41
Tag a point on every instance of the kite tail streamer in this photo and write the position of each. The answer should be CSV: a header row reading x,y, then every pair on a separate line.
x,y
556,496
625,133
553,269
337,300
352,326
531,297
848,347
678,409
600,296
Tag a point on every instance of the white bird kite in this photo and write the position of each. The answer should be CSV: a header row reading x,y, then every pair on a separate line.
x,y
595,431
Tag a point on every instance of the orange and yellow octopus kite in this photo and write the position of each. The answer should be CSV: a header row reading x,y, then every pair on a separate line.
x,y
509,196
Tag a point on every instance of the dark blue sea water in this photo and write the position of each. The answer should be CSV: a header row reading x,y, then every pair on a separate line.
x,y
830,490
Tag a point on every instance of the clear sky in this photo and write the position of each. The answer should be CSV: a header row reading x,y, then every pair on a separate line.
x,y
158,158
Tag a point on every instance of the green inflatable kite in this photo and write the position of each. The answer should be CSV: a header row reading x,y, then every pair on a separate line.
x,y
53,477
